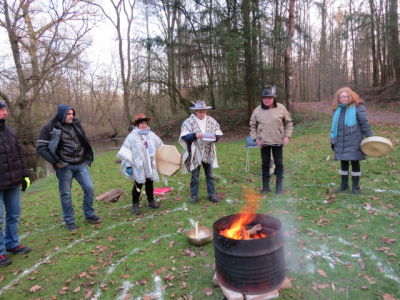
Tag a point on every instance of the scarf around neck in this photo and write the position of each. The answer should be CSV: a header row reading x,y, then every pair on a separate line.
x,y
350,121
144,133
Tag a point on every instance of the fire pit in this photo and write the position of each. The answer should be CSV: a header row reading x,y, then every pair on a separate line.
x,y
249,254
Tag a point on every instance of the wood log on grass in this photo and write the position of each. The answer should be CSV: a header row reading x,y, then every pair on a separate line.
x,y
110,196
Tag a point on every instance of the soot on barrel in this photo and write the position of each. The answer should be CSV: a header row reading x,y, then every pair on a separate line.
x,y
249,255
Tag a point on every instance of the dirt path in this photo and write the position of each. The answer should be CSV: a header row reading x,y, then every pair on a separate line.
x,y
374,116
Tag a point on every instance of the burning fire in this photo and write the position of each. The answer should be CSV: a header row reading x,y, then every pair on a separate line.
x,y
239,229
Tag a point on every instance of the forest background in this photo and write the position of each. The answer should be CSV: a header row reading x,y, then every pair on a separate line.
x,y
171,52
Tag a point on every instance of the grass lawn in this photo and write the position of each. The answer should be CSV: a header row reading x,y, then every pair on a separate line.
x,y
337,246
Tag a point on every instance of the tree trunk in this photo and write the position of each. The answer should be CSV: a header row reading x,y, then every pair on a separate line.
x,y
394,44
322,54
248,58
353,44
375,70
288,55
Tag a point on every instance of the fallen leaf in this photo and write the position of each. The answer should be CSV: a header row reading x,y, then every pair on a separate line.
x,y
162,270
208,291
63,290
101,248
142,282
317,287
35,288
387,240
88,293
369,279
322,273
190,253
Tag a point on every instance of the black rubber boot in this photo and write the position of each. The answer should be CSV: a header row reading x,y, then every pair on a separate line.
x,y
265,188
150,194
344,185
278,186
154,204
355,189
135,209
135,200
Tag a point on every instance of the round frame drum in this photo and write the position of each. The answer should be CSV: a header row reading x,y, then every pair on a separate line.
x,y
376,146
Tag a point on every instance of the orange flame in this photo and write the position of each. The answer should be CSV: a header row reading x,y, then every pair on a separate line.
x,y
237,230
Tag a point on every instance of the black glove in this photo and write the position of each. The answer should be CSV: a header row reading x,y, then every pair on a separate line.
x,y
26,183
333,147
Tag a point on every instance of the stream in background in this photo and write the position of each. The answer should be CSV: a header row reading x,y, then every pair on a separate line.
x,y
41,168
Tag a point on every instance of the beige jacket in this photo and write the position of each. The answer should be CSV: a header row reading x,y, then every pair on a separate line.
x,y
271,125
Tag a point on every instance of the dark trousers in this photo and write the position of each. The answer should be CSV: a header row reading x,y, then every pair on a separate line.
x,y
137,187
355,165
194,183
277,152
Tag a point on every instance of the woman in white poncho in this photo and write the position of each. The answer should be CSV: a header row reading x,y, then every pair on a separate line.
x,y
138,154
199,133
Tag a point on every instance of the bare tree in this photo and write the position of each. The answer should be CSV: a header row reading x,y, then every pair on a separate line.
x,y
43,40
122,20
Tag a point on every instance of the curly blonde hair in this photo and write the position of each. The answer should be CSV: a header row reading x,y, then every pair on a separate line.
x,y
354,97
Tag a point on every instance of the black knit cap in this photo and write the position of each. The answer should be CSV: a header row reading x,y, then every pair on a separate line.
x,y
2,104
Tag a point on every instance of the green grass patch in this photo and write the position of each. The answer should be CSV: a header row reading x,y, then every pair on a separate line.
x,y
337,246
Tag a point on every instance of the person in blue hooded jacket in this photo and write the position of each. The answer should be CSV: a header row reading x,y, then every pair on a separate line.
x,y
63,143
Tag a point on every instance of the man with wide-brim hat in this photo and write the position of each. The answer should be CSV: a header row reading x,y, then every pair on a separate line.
x,y
271,127
199,133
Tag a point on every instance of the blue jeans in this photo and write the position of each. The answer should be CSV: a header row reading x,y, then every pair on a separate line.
x,y
81,174
10,200
194,183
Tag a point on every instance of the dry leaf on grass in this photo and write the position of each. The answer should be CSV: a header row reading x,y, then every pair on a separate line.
x,y
322,273
387,240
88,293
190,253
208,291
35,288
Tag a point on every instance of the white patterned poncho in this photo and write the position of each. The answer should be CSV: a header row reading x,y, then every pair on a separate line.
x,y
199,150
135,154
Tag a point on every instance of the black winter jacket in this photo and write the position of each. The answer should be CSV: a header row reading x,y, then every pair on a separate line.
x,y
48,142
12,164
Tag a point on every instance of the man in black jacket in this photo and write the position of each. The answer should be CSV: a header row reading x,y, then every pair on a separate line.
x,y
63,143
13,172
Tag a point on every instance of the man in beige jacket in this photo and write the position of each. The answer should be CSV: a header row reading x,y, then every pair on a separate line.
x,y
271,127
